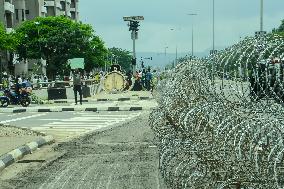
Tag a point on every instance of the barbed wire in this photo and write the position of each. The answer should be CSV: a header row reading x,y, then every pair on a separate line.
x,y
219,123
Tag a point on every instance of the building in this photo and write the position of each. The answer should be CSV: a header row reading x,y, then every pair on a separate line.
x,y
15,12
62,7
7,10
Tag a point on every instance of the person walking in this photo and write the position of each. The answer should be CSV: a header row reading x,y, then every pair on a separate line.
x,y
77,85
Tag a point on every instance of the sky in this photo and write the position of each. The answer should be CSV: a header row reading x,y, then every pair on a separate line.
x,y
167,23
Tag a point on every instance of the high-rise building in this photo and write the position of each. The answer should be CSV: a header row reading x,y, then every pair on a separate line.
x,y
6,14
15,12
7,10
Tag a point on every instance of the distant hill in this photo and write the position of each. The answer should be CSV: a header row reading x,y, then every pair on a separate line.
x,y
160,60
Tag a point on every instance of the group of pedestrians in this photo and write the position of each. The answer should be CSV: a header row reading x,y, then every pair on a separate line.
x,y
143,79
10,81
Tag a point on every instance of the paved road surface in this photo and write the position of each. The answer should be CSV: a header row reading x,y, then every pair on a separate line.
x,y
64,125
122,157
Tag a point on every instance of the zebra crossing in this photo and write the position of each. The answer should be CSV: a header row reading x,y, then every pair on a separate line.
x,y
5,122
81,123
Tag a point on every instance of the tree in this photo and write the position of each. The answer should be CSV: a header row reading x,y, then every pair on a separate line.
x,y
122,57
96,54
57,39
7,41
280,29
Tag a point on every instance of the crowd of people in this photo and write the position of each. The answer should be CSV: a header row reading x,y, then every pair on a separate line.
x,y
143,80
10,81
39,81
139,80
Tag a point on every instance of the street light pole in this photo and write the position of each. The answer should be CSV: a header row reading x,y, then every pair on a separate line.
x,y
176,54
38,23
176,49
213,43
192,41
213,26
192,34
133,34
261,15
166,51
41,59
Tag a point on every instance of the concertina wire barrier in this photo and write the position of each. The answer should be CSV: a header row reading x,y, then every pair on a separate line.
x,y
219,122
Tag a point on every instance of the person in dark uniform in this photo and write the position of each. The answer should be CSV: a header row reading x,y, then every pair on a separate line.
x,y
18,85
77,85
148,79
128,79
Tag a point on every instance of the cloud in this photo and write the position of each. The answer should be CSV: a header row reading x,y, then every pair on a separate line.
x,y
233,19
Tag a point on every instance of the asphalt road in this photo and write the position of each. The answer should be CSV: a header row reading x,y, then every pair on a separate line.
x,y
66,125
35,119
117,158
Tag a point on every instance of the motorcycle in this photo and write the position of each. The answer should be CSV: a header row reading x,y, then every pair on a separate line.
x,y
14,98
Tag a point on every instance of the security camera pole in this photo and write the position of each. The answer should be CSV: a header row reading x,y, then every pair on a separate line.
x,y
133,27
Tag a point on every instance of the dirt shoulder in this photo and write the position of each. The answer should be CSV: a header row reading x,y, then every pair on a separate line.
x,y
121,157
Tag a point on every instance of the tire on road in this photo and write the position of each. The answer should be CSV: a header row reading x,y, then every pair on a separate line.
x,y
4,102
25,101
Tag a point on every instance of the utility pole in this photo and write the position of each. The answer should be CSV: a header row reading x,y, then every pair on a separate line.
x,y
261,15
192,34
260,34
213,44
172,29
213,26
192,41
166,51
133,27
134,37
176,55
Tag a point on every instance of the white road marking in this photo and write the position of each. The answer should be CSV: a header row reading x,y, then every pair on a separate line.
x,y
113,115
50,119
82,123
22,118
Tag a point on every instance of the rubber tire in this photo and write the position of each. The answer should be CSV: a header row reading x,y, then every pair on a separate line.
x,y
25,102
4,103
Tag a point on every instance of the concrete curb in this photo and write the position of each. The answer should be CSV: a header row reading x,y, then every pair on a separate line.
x,y
20,152
125,98
65,101
75,109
